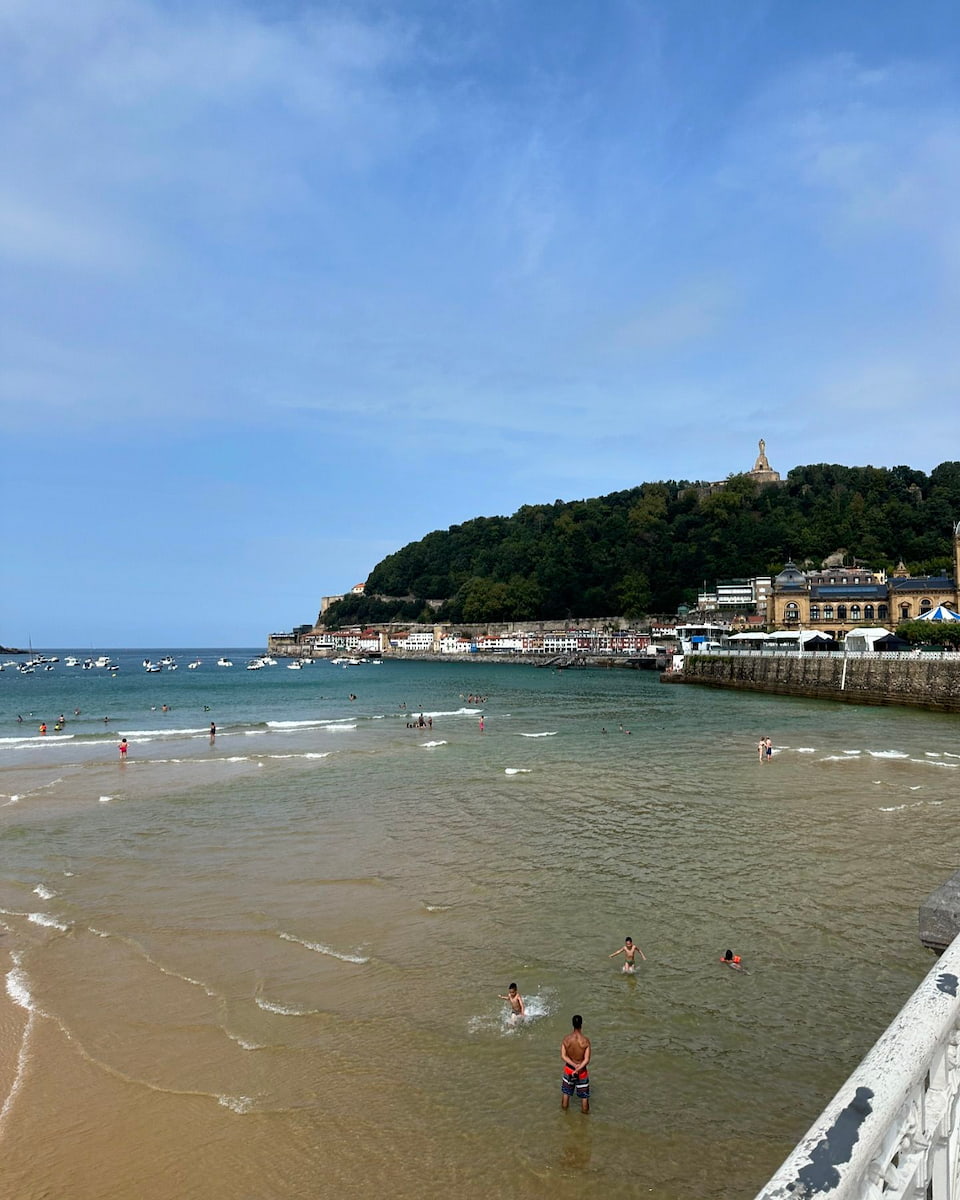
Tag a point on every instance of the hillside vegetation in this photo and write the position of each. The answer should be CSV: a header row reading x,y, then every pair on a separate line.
x,y
648,549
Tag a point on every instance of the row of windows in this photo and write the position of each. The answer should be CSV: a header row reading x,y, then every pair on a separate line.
x,y
828,612
841,612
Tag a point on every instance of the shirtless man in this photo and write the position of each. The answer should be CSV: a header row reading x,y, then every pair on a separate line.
x,y
575,1052
630,950
515,1000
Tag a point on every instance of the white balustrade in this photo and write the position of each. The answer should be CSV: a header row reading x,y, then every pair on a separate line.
x,y
892,1132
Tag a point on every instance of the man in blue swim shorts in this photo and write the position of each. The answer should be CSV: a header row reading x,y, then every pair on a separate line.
x,y
575,1052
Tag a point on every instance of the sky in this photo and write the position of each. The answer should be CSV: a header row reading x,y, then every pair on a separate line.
x,y
285,285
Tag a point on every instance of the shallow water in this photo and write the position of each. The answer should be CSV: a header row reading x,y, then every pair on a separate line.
x,y
269,965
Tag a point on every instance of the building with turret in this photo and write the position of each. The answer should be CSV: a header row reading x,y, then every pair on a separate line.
x,y
838,598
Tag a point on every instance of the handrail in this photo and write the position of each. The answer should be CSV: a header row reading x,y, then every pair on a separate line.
x,y
891,1131
793,652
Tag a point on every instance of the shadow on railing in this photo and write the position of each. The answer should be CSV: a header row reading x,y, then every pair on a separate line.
x,y
891,1131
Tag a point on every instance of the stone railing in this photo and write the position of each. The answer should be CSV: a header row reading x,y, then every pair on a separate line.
x,y
793,652
891,1132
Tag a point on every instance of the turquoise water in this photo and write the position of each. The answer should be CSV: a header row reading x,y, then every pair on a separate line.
x,y
276,956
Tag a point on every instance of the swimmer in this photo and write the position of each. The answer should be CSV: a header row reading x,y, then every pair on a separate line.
x,y
629,950
732,961
515,1000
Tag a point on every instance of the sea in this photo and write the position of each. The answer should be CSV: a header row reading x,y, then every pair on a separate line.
x,y
268,963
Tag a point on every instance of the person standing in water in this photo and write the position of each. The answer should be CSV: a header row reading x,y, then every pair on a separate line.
x,y
213,732
123,749
575,1051
515,1000
629,950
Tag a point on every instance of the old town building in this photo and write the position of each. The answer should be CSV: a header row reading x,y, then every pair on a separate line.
x,y
838,599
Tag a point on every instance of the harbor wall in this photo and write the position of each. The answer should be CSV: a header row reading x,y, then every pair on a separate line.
x,y
871,679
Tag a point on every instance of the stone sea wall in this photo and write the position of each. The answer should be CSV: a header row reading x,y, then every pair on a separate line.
x,y
872,679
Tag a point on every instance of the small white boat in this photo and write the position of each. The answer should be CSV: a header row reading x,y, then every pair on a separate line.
x,y
168,661
193,666
224,662
254,665
151,667
295,666
268,661
72,662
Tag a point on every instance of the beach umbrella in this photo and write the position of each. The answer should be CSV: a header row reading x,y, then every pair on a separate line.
x,y
940,613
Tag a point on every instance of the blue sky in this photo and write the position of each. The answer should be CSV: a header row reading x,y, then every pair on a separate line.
x,y
285,286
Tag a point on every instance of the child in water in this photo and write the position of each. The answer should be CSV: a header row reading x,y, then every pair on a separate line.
x,y
732,961
515,1000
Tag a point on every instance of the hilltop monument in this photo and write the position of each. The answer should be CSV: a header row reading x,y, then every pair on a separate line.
x,y
762,471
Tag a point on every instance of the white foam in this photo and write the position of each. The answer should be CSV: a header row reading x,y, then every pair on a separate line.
x,y
325,754
43,892
242,1042
12,800
916,787
947,754
887,754
539,735
282,1010
932,753
44,919
301,724
931,762
806,750
895,808
438,907
238,1104
430,745
45,738
319,948
17,988
155,733
238,758
105,799
845,757
339,728
516,771
853,751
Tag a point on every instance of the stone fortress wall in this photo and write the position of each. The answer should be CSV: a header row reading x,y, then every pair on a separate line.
x,y
922,681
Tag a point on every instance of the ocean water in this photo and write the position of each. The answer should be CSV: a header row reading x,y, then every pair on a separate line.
x,y
267,965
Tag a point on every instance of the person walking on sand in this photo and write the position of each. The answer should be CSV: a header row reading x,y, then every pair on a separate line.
x,y
575,1051
515,1000
629,950
123,749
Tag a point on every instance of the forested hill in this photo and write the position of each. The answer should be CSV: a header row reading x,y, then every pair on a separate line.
x,y
648,549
